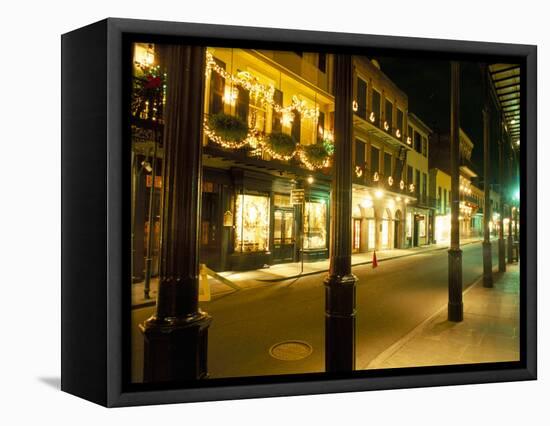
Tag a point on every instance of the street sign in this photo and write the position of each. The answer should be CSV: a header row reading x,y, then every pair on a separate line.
x,y
296,196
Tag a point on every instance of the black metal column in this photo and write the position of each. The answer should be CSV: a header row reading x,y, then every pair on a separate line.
x,y
455,306
340,283
501,243
175,337
510,186
487,255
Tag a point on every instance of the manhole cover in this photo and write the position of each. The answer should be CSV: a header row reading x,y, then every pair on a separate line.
x,y
292,350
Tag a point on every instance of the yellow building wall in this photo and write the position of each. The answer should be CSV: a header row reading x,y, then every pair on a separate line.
x,y
268,72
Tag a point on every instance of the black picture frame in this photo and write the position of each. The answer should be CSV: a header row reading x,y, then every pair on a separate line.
x,y
93,212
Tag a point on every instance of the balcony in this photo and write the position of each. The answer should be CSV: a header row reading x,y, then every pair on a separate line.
x,y
367,121
365,177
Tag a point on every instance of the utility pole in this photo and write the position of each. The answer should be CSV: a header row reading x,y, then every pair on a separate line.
x,y
487,255
455,306
176,336
340,284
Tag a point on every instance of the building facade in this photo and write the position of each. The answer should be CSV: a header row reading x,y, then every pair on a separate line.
x,y
421,213
266,196
469,212
381,191
267,151
440,190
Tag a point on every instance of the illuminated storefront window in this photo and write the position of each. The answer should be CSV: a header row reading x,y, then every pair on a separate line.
x,y
372,237
409,225
252,223
442,228
315,225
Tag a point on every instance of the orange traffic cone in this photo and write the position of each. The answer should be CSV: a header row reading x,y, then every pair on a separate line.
x,y
374,261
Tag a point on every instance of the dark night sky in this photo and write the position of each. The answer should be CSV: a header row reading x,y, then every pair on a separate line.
x,y
427,84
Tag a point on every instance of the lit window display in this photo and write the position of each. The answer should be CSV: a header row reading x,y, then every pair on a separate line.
x,y
442,228
372,237
315,225
252,223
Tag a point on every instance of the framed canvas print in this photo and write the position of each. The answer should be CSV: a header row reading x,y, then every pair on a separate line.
x,y
252,212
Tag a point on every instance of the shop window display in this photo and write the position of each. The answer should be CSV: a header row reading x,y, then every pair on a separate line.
x,y
315,225
252,223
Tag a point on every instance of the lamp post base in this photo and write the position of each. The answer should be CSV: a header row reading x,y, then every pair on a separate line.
x,y
176,348
455,306
340,323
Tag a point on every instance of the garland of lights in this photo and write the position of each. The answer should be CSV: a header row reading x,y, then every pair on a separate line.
x,y
303,158
255,139
251,139
263,93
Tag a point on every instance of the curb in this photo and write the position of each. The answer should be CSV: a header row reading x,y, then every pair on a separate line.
x,y
368,262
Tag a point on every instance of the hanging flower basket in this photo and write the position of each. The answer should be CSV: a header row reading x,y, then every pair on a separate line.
x,y
315,156
227,128
280,146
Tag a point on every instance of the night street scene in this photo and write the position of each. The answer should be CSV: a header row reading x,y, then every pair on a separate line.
x,y
300,212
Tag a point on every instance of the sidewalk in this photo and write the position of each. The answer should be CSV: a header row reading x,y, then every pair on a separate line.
x,y
489,332
286,271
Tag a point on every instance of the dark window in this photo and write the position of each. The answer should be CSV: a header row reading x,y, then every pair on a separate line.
x,y
410,132
409,175
361,98
387,164
276,125
376,105
359,153
439,200
217,88
296,126
417,142
399,123
389,113
445,200
322,62
374,159
417,181
243,101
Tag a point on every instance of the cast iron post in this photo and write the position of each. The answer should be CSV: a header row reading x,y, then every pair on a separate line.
x,y
487,256
455,307
175,337
510,186
340,283
501,244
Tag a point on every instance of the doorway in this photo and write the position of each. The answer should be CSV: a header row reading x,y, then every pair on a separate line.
x,y
283,235
356,226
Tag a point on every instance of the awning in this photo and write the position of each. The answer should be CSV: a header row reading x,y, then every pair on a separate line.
x,y
505,80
